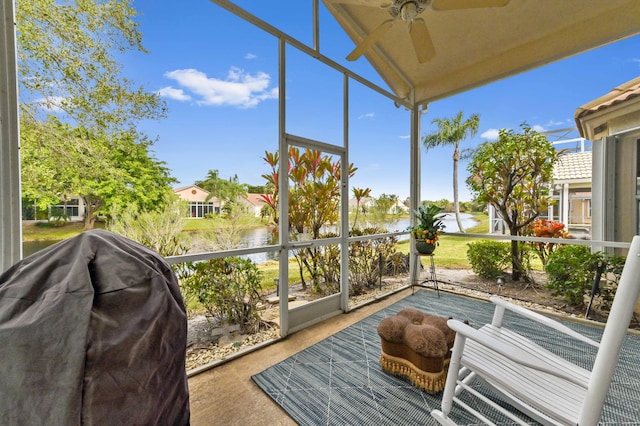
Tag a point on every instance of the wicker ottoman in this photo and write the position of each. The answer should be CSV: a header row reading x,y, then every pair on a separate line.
x,y
417,346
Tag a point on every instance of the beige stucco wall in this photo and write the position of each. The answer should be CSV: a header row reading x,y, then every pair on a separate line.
x,y
193,193
625,200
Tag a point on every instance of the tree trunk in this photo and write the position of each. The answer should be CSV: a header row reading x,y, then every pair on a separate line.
x,y
516,266
91,205
456,203
89,222
357,211
301,271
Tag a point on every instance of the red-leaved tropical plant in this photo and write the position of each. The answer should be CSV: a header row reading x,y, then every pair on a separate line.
x,y
544,228
314,200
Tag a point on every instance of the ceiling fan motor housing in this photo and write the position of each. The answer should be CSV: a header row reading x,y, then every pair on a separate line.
x,y
407,10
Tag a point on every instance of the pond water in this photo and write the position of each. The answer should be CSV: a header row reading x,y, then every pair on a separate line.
x,y
263,236
449,222
258,237
30,247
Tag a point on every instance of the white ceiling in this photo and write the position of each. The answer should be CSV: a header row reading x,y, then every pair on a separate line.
x,y
480,45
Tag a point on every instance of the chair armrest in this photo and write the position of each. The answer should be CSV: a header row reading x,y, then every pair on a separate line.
x,y
542,320
513,353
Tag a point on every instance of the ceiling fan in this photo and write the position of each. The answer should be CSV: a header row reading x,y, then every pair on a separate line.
x,y
408,11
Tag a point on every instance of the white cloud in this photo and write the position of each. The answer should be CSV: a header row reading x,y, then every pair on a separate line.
x,y
552,123
491,134
636,60
239,88
367,115
405,137
52,103
175,94
250,56
538,128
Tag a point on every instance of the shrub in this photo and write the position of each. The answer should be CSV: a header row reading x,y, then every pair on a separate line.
x,y
328,262
58,220
570,271
229,289
608,288
489,259
397,263
365,259
159,230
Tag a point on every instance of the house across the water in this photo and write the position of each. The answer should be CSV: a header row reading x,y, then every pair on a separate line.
x,y
200,204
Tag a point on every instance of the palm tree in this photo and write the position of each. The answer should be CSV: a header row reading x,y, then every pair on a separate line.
x,y
452,131
360,194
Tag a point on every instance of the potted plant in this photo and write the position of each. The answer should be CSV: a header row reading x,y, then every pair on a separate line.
x,y
428,227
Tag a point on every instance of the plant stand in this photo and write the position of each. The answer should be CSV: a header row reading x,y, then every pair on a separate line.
x,y
431,277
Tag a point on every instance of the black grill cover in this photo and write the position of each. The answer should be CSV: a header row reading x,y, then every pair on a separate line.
x,y
93,331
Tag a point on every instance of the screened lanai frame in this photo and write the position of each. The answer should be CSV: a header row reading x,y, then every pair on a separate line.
x,y
300,317
289,320
10,222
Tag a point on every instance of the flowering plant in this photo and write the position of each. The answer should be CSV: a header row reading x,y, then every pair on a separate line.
x,y
429,223
547,229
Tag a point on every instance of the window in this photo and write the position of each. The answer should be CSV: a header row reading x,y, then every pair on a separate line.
x,y
199,209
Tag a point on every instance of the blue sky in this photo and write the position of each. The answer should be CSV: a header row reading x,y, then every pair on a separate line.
x,y
219,77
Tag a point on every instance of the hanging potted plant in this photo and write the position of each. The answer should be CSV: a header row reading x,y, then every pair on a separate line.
x,y
428,228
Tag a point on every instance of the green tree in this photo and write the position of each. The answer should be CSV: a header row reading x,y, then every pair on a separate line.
x,y
383,206
514,174
256,189
104,170
447,206
67,63
452,131
359,194
227,190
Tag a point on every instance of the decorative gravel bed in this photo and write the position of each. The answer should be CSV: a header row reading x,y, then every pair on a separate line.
x,y
208,344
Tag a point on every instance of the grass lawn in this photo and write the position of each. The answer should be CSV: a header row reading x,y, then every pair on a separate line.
x,y
44,231
451,253
247,221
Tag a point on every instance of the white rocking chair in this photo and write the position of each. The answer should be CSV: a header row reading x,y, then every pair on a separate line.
x,y
543,385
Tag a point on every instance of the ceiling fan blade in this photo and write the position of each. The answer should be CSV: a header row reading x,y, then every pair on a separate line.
x,y
421,40
466,4
370,40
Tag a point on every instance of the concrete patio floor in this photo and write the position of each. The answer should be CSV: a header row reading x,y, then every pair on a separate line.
x,y
227,395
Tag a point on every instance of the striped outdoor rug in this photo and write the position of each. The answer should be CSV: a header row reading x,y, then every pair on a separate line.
x,y
339,381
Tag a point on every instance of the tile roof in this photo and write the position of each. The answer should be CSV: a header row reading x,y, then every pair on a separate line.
x,y
573,166
182,188
624,92
255,199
